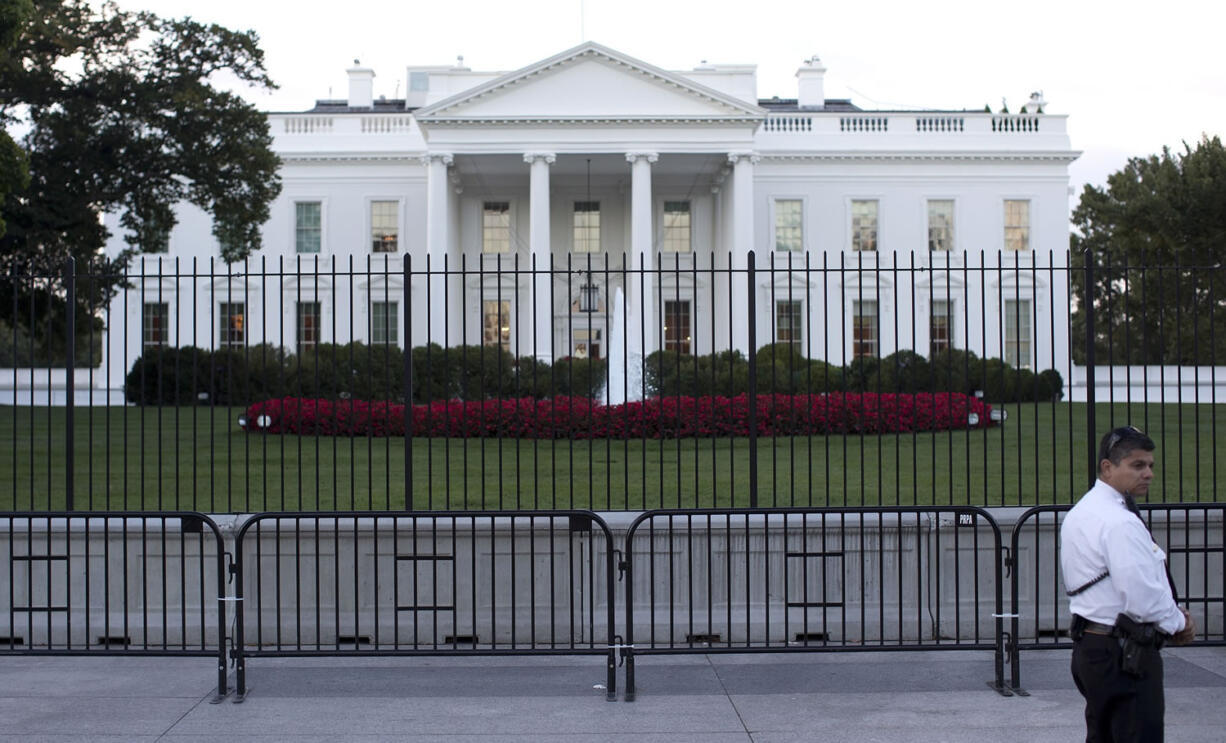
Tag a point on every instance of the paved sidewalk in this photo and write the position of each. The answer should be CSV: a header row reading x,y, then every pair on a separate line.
x,y
848,698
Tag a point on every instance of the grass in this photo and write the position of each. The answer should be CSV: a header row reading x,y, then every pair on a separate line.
x,y
198,459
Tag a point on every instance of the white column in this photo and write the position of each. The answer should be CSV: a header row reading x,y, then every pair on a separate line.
x,y
742,242
438,236
541,250
641,297
719,297
456,324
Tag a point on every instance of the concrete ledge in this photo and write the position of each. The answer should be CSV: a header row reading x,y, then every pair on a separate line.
x,y
756,579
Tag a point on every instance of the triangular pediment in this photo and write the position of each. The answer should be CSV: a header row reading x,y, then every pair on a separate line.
x,y
589,83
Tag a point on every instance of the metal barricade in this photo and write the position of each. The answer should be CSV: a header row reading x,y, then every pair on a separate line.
x,y
1189,533
113,583
781,580
425,583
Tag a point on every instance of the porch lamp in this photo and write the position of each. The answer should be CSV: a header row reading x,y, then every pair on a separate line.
x,y
589,296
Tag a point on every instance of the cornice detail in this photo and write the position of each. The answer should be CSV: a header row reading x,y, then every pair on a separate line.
x,y
595,120
355,157
1064,157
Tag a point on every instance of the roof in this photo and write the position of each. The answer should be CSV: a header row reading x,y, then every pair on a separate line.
x,y
785,105
341,106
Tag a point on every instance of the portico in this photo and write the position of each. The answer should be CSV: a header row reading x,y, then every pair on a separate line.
x,y
585,184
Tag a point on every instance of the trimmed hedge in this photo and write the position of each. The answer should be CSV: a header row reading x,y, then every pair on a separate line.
x,y
783,369
662,417
355,371
191,376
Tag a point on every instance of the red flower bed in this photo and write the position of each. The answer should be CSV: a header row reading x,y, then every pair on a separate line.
x,y
665,417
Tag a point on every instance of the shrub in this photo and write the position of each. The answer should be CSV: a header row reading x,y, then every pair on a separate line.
x,y
956,370
860,372
350,371
168,376
430,380
355,371
784,369
574,377
1051,387
902,371
533,377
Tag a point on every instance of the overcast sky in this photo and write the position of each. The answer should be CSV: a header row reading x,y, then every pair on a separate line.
x,y
1132,76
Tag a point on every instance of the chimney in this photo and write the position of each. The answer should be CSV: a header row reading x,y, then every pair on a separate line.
x,y
812,88
361,86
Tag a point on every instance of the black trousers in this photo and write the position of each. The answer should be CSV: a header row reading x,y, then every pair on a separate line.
x,y
1120,707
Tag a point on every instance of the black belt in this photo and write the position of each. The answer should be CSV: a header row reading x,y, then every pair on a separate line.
x,y
1098,628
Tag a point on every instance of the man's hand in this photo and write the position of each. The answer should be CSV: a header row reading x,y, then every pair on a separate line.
x,y
1188,633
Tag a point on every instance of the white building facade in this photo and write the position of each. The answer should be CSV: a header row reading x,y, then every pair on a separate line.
x,y
872,231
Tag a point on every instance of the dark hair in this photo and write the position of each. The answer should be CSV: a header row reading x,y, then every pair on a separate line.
x,y
1120,442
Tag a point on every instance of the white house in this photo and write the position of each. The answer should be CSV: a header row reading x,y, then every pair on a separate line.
x,y
918,229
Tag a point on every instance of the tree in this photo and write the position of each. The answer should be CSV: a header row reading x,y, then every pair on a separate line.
x,y
14,174
1157,236
121,112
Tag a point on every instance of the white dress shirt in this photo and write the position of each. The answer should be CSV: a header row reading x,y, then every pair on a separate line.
x,y
1100,535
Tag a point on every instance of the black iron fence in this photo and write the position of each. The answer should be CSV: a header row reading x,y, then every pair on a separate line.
x,y
460,583
603,382
114,583
1191,536
549,583
789,580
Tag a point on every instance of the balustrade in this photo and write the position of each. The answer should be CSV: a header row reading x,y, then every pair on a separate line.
x,y
308,124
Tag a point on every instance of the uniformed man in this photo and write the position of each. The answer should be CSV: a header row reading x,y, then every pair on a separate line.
x,y
1122,599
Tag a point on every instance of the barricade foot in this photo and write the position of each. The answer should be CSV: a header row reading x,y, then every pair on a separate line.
x,y
628,694
1001,689
223,691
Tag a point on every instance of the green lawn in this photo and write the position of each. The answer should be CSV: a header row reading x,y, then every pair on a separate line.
x,y
198,458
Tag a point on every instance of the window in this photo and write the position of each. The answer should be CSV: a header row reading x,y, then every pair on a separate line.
x,y
585,343
587,227
155,324
864,225
384,226
496,227
232,324
789,322
677,326
307,222
384,330
307,324
496,323
419,81
1017,333
1017,224
940,224
864,328
941,326
676,227
789,230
